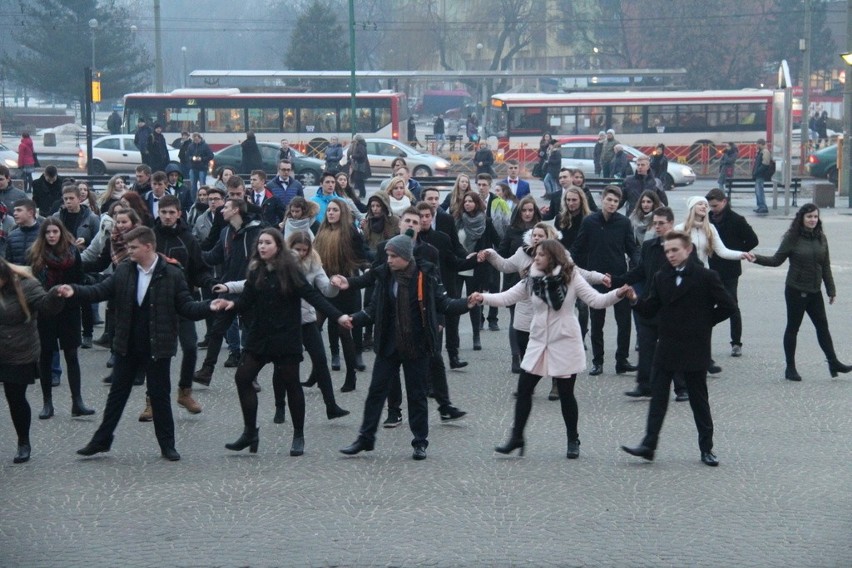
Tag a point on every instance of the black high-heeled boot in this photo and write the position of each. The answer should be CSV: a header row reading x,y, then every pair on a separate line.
x,y
280,414
297,448
477,346
514,443
835,366
249,439
23,454
349,383
312,380
47,409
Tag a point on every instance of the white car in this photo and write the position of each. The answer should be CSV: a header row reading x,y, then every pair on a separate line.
x,y
8,157
382,151
116,153
580,154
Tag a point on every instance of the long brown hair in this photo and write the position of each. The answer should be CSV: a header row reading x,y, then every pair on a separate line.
x,y
283,264
137,204
457,196
558,257
565,217
40,247
334,243
10,282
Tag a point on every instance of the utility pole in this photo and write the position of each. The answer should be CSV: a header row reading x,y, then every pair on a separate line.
x,y
846,173
805,48
158,49
352,85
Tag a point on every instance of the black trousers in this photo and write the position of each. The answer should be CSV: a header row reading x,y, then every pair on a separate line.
x,y
221,322
523,403
72,364
159,386
19,409
731,285
646,336
384,369
285,372
188,339
451,321
473,284
622,320
312,341
798,304
696,385
437,380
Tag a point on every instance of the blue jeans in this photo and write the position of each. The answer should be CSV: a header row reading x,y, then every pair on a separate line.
x,y
550,184
760,196
196,178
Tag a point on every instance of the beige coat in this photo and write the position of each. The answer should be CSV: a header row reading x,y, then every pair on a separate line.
x,y
556,345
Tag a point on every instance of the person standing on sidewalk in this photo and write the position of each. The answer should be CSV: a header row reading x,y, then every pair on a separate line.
x,y
154,294
761,174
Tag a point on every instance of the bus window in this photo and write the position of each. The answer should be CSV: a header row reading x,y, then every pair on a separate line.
x,y
316,120
382,116
528,121
627,119
721,117
661,118
263,120
289,115
225,119
692,118
751,117
562,120
590,120
363,119
180,119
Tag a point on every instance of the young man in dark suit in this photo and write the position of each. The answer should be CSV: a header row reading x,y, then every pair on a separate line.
x,y
521,188
688,301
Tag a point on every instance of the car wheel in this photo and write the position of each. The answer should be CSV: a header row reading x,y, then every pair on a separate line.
x,y
99,168
831,174
309,177
422,171
668,182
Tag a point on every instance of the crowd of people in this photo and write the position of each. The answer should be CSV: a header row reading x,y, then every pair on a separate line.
x,y
270,265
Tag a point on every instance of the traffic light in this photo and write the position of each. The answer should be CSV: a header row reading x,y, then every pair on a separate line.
x,y
96,87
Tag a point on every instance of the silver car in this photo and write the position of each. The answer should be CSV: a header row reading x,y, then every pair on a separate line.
x,y
580,154
8,157
382,151
116,153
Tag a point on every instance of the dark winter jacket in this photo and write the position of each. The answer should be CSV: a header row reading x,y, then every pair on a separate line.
x,y
46,193
285,190
424,317
233,250
87,224
620,166
275,320
158,152
736,234
19,242
635,184
199,156
178,244
602,243
19,342
252,159
810,265
333,155
169,300
180,190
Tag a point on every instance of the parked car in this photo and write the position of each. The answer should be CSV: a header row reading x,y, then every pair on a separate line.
x,y
8,157
578,152
116,153
307,169
382,151
823,163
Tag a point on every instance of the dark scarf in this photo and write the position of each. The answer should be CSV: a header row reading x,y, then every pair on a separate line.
x,y
118,248
550,288
405,344
377,225
56,266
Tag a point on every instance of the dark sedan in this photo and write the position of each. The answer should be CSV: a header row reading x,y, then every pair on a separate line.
x,y
307,169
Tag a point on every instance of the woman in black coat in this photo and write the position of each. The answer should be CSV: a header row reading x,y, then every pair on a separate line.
x,y
21,299
55,260
272,300
252,159
475,233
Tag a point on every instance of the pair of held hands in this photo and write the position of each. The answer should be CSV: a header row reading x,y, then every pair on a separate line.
x,y
625,291
217,305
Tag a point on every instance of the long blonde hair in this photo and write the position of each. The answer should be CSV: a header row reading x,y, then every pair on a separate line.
x,y
334,242
703,226
395,180
457,196
565,217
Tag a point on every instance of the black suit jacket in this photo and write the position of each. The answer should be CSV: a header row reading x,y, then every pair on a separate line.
x,y
686,315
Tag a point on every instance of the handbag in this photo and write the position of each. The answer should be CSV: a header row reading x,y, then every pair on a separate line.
x,y
36,163
536,171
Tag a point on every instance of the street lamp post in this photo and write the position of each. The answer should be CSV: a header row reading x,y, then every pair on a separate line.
x,y
93,25
183,52
845,180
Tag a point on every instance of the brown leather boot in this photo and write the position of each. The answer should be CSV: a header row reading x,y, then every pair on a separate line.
x,y
147,414
185,400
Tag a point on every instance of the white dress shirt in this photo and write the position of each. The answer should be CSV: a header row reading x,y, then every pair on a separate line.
x,y
145,275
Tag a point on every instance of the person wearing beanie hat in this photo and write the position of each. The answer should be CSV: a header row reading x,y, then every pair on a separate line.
x,y
407,298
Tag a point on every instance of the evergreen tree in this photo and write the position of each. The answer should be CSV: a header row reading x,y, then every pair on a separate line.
x,y
54,46
319,43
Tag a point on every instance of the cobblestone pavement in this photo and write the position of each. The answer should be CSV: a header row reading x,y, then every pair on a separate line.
x,y
779,498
